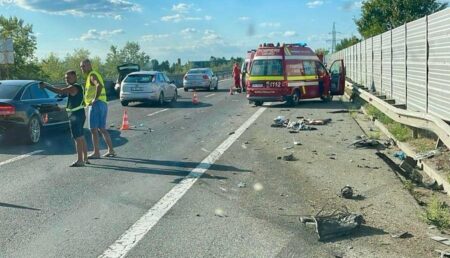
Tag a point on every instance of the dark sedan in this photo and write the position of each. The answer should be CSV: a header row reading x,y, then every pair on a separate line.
x,y
25,109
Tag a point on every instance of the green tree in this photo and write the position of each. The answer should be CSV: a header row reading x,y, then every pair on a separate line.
x,y
25,64
322,51
53,67
378,16
347,42
131,53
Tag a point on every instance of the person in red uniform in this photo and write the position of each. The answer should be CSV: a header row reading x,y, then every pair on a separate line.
x,y
237,77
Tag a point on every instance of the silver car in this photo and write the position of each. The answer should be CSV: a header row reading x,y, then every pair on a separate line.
x,y
200,78
147,86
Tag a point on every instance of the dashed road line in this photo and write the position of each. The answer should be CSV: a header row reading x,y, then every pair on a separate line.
x,y
136,232
20,157
157,112
210,95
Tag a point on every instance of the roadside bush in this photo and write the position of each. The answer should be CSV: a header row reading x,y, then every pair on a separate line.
x,y
437,213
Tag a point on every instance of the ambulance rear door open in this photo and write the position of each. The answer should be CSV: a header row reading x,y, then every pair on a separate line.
x,y
337,76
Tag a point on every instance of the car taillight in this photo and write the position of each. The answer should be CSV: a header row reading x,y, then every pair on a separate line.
x,y
6,110
205,77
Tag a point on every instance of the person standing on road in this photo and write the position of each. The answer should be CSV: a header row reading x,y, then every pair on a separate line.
x,y
237,77
75,109
95,100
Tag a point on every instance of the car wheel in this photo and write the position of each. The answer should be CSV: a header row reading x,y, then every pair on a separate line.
x,y
258,103
217,86
124,103
209,87
34,130
175,96
185,89
161,99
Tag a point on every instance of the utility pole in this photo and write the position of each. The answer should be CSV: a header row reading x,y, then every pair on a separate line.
x,y
333,38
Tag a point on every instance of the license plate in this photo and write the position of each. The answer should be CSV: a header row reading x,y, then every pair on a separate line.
x,y
136,89
257,85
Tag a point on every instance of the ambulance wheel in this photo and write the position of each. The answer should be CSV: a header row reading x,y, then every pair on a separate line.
x,y
295,99
258,103
327,98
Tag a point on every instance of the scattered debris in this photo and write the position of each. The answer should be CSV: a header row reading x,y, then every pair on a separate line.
x,y
141,125
364,142
297,143
402,234
401,155
242,185
317,121
220,213
280,121
427,155
288,148
347,192
289,157
442,240
112,125
231,133
338,223
443,253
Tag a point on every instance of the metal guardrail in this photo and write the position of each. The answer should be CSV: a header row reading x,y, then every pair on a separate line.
x,y
414,119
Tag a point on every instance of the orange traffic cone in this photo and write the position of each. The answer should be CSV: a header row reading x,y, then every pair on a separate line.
x,y
195,100
125,125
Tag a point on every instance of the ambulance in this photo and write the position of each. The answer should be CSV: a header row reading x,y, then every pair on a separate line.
x,y
246,68
292,72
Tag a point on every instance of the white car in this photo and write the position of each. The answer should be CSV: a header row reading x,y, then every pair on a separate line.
x,y
200,78
147,86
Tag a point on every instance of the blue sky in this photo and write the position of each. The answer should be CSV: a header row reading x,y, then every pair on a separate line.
x,y
190,30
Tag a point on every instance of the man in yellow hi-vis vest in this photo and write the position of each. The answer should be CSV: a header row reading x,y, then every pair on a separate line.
x,y
95,100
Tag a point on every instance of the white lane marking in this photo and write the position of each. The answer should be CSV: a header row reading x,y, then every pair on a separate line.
x,y
210,95
20,157
136,232
157,112
205,150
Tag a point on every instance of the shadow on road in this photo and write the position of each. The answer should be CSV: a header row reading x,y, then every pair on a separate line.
x,y
7,205
153,171
363,231
55,142
310,104
178,104
180,164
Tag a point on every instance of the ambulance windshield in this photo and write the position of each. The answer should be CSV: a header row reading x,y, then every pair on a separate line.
x,y
267,67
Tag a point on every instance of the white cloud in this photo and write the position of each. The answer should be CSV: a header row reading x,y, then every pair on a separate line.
x,y
189,31
118,17
244,18
172,18
314,4
179,17
99,8
211,36
270,24
181,7
290,33
151,37
94,35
